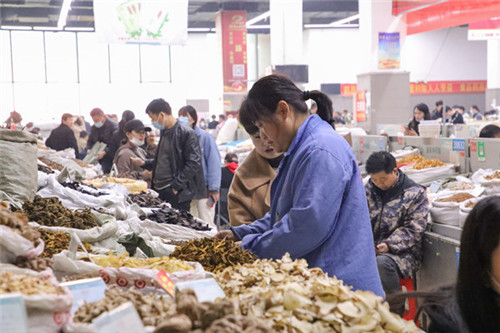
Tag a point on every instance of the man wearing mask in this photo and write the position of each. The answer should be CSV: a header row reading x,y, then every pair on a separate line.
x,y
63,136
454,116
104,130
178,171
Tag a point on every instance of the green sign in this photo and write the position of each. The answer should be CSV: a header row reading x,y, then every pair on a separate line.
x,y
481,153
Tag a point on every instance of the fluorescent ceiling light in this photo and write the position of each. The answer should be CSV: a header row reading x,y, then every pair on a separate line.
x,y
258,18
346,20
328,26
198,29
263,26
14,27
64,14
46,28
78,29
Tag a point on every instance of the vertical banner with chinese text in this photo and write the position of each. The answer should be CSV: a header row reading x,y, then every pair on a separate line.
x,y
232,30
360,105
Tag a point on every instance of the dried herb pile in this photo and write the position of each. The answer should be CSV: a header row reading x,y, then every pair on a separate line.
x,y
144,200
50,212
18,223
51,164
213,254
56,242
177,217
27,284
458,197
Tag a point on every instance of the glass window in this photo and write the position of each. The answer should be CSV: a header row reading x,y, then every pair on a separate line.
x,y
60,48
28,58
92,58
155,63
124,63
5,67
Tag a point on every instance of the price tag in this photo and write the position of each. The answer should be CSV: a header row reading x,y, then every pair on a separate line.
x,y
481,153
166,283
434,187
13,316
85,290
206,290
123,319
473,146
458,145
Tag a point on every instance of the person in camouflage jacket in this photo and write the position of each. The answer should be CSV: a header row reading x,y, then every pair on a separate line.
x,y
398,213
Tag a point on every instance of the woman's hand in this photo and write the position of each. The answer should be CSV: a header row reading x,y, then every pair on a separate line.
x,y
137,161
226,234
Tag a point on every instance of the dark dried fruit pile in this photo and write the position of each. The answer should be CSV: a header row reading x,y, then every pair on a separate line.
x,y
50,212
81,188
177,217
145,200
213,254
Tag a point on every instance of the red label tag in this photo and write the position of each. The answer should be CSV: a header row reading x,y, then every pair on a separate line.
x,y
361,146
166,283
400,140
473,146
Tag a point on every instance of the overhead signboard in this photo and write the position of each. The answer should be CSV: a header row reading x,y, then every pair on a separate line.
x,y
484,30
142,21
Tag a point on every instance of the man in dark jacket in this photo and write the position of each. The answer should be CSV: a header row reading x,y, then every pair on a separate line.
x,y
177,171
398,213
105,131
63,137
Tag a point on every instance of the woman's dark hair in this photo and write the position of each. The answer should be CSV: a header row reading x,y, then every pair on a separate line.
x,y
471,302
262,100
475,295
380,161
188,109
490,131
231,157
159,105
422,107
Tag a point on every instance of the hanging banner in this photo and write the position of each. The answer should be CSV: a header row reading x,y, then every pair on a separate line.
x,y
348,89
447,87
450,13
484,30
360,105
388,50
142,21
403,6
232,31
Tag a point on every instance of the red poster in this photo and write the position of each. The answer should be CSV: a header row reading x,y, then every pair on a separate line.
x,y
360,105
231,27
348,89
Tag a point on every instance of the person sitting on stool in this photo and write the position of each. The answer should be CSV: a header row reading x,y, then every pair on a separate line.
x,y
398,213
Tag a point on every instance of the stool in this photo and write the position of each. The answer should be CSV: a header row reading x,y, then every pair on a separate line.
x,y
410,304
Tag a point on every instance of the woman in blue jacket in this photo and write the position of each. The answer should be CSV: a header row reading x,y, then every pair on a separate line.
x,y
318,204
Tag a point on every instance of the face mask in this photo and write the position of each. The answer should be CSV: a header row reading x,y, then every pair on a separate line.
x,y
136,142
157,125
99,124
184,120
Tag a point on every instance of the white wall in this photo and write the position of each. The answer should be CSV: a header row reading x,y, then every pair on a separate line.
x,y
445,55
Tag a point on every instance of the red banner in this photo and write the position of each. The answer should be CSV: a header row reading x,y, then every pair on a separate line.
x,y
231,27
484,30
402,6
430,88
450,13
360,105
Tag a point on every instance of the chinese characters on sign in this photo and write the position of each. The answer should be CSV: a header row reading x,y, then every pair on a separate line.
x,y
231,27
360,105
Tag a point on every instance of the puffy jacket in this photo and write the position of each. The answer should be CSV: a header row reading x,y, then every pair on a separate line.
x,y
318,210
211,161
399,217
61,138
186,162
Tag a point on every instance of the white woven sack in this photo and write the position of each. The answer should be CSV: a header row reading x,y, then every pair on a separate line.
x,y
492,185
13,245
427,175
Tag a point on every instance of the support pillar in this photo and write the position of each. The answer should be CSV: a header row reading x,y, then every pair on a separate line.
x,y
286,32
492,94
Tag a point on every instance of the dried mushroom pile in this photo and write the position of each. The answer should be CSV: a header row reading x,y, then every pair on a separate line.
x,y
177,217
123,260
27,285
144,200
50,212
209,317
151,308
51,164
459,197
297,299
18,223
495,175
78,187
213,254
56,242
